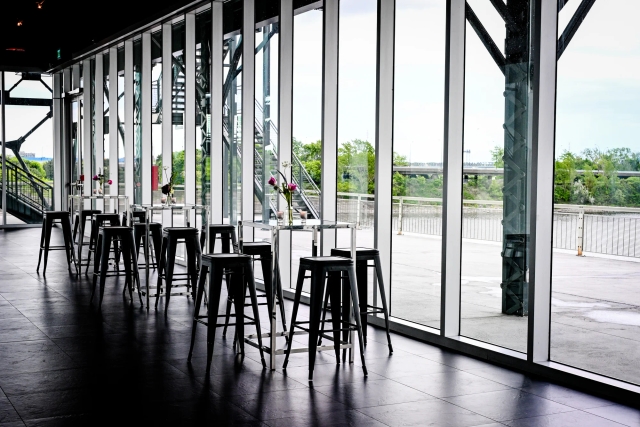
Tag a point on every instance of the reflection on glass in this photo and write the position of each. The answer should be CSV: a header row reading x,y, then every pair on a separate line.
x,y
137,121
156,116
92,108
496,135
418,138
121,123
595,306
203,108
178,131
105,128
307,121
356,118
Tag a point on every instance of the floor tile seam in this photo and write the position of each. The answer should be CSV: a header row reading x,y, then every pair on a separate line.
x,y
567,412
473,412
383,405
13,406
372,417
567,404
608,419
508,387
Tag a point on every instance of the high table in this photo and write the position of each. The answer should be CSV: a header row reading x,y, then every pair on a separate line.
x,y
185,208
275,227
80,199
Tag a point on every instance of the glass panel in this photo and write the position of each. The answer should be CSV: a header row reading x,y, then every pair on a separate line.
x,y
595,320
495,227
137,122
156,116
178,82
418,143
356,122
107,188
266,110
121,123
307,125
203,108
92,107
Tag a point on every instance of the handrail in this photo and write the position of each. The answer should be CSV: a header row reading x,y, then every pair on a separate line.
x,y
27,188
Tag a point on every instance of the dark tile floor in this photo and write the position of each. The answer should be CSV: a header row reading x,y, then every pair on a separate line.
x,y
64,363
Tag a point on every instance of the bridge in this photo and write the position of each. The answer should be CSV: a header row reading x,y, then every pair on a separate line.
x,y
429,171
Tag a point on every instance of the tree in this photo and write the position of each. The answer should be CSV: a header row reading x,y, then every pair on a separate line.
x,y
48,169
497,156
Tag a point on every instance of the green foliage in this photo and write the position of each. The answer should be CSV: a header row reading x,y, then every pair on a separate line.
x,y
497,155
48,170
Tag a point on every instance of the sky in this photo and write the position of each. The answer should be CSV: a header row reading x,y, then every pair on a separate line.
x,y
598,96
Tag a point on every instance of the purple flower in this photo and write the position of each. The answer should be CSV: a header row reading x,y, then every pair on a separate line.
x,y
96,177
272,181
110,182
293,187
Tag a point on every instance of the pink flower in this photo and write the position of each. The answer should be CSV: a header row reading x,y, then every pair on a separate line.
x,y
110,182
95,177
272,181
293,187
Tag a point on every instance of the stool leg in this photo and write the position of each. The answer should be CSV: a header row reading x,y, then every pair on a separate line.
x,y
137,237
294,314
333,290
104,262
251,284
168,277
42,234
97,256
239,290
362,279
191,265
161,268
47,242
215,288
280,298
201,284
346,311
356,312
156,238
80,240
324,313
127,251
317,291
136,270
383,299
227,314
68,241
75,227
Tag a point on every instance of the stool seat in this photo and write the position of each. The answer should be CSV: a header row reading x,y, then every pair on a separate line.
x,y
222,227
99,220
360,252
181,231
256,248
327,261
227,259
56,214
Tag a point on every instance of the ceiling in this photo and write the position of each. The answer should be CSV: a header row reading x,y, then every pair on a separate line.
x,y
32,32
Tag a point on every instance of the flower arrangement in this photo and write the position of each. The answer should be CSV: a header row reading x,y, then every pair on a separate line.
x,y
101,180
286,189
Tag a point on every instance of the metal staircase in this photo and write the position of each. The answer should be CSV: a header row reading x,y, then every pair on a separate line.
x,y
28,197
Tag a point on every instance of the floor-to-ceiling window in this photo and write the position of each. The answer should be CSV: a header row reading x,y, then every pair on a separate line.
x,y
156,116
418,175
232,128
203,108
356,118
105,127
121,123
496,177
595,322
138,181
177,117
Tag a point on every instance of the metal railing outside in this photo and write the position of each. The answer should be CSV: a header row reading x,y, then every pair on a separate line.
x,y
595,229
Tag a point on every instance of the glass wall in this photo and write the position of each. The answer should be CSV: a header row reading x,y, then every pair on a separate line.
x,y
203,108
417,145
156,116
232,130
495,228
137,122
356,118
595,323
105,127
178,132
121,124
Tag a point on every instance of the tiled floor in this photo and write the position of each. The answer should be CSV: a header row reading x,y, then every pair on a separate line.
x,y
63,362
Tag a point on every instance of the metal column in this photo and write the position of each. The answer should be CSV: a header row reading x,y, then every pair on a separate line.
x,y
217,96
146,119
248,111
129,136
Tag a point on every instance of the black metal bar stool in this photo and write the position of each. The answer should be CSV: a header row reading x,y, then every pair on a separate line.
x,y
226,233
80,222
50,218
140,236
263,250
97,221
320,267
241,273
106,236
363,256
171,236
